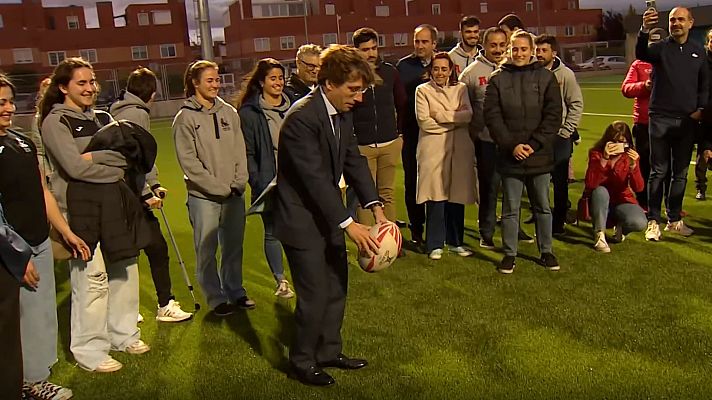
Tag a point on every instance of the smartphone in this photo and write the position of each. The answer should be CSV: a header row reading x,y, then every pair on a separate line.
x,y
650,5
618,148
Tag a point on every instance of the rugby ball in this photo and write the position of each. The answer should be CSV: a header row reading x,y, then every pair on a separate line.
x,y
389,238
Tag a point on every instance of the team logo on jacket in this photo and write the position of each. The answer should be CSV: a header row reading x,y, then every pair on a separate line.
x,y
224,124
483,80
23,145
694,55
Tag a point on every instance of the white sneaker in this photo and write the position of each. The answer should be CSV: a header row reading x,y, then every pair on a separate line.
x,y
137,347
108,365
679,227
601,244
436,254
653,231
283,290
44,390
461,251
139,319
172,313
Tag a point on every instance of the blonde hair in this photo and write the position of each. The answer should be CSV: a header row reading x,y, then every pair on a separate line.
x,y
193,72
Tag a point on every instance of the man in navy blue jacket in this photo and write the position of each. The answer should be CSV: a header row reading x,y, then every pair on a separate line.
x,y
679,94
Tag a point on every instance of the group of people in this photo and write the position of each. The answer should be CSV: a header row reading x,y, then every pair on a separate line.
x,y
319,150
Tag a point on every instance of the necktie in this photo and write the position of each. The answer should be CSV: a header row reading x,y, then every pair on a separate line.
x,y
336,118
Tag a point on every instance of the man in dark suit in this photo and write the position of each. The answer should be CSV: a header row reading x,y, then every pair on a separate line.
x,y
316,148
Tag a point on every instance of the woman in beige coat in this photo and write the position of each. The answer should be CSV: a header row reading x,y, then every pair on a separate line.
x,y
446,156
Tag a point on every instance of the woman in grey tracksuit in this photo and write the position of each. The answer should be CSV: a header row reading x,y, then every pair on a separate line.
x,y
211,151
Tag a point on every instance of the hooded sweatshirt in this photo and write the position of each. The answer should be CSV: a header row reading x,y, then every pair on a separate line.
x,y
462,58
130,107
64,147
571,97
476,77
210,149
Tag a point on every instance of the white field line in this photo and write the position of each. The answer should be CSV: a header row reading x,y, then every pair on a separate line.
x,y
607,115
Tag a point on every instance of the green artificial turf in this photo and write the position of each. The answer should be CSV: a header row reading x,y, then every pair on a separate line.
x,y
635,323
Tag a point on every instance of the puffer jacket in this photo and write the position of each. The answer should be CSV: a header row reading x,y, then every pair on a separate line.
x,y
261,163
523,105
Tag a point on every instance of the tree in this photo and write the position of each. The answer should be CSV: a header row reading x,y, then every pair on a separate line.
x,y
612,27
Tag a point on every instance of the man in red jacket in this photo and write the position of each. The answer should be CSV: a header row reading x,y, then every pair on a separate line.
x,y
637,85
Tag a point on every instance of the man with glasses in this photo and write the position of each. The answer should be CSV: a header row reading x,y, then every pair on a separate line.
x,y
301,83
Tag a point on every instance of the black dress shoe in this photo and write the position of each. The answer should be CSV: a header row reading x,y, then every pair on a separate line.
x,y
313,375
343,362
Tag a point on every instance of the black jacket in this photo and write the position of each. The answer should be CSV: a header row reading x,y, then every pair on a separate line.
x,y
111,212
523,105
308,207
296,88
261,164
412,73
680,76
377,119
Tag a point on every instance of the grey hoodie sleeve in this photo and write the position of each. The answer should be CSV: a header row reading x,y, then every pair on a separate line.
x,y
573,101
187,154
239,182
59,142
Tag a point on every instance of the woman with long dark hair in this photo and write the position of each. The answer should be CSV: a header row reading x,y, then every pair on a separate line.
x,y
523,114
262,105
211,151
613,177
446,157
104,294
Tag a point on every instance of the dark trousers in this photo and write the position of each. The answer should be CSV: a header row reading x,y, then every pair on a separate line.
x,y
157,253
671,144
489,182
563,148
11,366
445,224
320,277
700,171
416,212
642,146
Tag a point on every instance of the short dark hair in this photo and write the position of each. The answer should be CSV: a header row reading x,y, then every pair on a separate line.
x,y
339,63
491,31
545,38
511,21
363,35
433,31
6,82
469,20
142,83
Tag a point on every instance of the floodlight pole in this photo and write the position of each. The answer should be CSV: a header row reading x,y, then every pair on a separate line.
x,y
206,36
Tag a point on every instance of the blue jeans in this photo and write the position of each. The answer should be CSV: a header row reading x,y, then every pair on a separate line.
x,y
631,217
222,223
538,192
489,180
38,321
273,247
445,224
671,144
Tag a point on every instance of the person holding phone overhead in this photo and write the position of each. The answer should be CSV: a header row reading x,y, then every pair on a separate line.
x,y
612,177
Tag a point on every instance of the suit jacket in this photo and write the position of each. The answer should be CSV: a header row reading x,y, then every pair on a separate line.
x,y
309,206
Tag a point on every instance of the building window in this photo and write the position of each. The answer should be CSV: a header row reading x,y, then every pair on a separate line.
x,y
383,11
168,51
441,37
330,38
162,17
350,38
56,57
551,30
261,44
277,10
529,6
143,19
139,53
73,22
483,8
2,23
330,9
573,4
533,30
569,31
22,56
88,55
381,40
286,42
436,9
586,29
400,39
